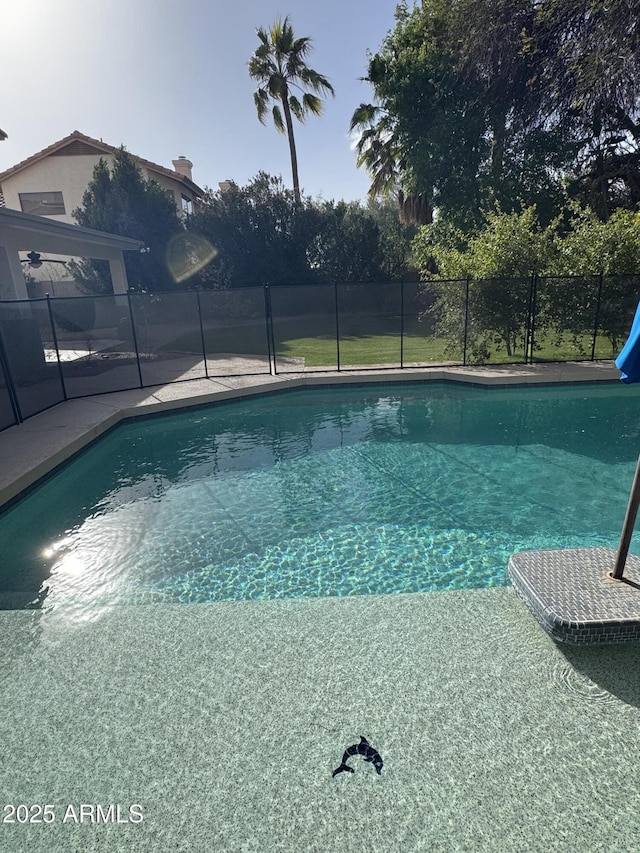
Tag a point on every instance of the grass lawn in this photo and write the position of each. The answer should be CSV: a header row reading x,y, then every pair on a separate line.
x,y
364,341
566,349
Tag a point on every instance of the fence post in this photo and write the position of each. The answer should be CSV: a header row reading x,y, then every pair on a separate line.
x,y
335,297
531,320
204,347
271,343
527,327
11,388
597,317
55,343
135,338
401,325
466,322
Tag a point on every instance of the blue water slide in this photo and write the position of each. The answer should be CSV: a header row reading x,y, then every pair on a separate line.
x,y
629,359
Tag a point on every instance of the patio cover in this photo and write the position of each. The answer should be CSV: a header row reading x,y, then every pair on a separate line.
x,y
26,232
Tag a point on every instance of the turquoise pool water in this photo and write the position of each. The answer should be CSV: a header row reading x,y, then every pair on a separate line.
x,y
346,491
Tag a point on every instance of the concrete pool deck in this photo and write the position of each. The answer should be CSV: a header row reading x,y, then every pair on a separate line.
x,y
224,721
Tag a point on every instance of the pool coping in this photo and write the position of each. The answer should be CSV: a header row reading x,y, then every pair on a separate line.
x,y
32,450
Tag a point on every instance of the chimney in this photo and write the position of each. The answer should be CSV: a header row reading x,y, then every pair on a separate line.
x,y
183,166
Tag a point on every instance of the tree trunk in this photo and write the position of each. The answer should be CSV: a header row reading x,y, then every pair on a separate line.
x,y
506,335
292,145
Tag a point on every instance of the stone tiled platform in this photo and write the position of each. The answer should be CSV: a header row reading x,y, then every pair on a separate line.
x,y
572,596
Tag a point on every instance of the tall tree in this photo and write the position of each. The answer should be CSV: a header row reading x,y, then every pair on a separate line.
x,y
260,234
501,104
279,66
422,119
119,200
379,150
347,244
590,53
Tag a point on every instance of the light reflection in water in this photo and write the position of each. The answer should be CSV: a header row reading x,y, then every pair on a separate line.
x,y
347,492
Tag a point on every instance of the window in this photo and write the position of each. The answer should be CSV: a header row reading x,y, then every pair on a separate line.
x,y
187,205
42,204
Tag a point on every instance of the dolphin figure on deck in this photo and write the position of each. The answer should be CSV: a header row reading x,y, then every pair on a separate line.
x,y
362,748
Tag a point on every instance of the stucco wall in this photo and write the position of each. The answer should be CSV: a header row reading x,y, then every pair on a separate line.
x,y
71,176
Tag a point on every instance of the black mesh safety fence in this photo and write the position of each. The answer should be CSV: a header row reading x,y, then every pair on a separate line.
x,y
304,327
168,337
498,317
434,323
8,414
96,344
234,331
564,316
28,343
53,349
617,306
369,325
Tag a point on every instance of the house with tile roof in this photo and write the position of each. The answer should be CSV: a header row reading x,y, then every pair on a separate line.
x,y
52,183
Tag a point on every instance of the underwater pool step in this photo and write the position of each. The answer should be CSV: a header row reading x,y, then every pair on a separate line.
x,y
573,597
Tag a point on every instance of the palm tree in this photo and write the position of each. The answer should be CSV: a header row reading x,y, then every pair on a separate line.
x,y
378,149
278,64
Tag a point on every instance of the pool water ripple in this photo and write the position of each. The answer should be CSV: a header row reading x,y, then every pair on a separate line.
x,y
578,687
347,492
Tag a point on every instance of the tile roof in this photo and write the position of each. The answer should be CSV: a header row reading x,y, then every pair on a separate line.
x,y
101,147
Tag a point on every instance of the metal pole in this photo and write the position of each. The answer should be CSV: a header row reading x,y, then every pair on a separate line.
x,y
135,339
597,319
534,298
204,347
466,323
627,528
269,329
55,343
335,297
527,337
401,325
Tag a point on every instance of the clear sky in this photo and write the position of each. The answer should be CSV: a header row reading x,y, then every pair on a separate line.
x,y
169,78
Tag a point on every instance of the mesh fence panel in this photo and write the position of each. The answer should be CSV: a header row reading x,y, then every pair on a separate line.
x,y
434,322
7,416
96,344
31,357
498,320
564,318
620,297
190,335
304,327
434,314
369,325
235,331
168,335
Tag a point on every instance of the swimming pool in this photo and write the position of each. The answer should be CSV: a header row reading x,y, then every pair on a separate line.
x,y
326,492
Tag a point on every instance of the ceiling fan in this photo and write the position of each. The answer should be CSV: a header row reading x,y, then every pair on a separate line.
x,y
34,260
